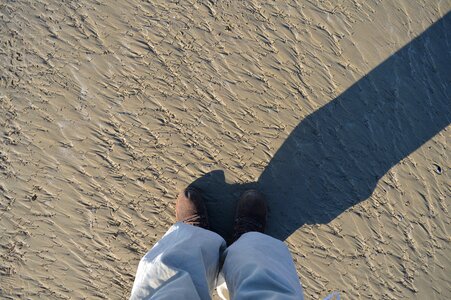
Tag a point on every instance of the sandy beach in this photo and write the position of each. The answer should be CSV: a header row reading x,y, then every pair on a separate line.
x,y
339,111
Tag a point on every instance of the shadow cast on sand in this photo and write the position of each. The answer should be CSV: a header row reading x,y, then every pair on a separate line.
x,y
335,157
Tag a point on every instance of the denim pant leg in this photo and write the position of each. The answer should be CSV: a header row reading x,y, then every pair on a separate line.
x,y
183,265
258,266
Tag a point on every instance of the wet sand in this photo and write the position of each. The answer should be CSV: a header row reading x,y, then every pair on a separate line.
x,y
108,109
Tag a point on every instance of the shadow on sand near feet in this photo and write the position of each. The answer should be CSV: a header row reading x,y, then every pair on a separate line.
x,y
335,157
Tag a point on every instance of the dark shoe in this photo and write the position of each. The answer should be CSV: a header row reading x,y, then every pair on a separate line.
x,y
251,214
190,208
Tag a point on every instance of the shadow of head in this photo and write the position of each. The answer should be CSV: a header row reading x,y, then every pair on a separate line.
x,y
221,198
335,157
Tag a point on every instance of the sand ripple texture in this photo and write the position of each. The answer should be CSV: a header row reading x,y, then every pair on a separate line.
x,y
107,108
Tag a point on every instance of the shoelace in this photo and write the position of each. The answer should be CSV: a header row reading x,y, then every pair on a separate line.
x,y
197,220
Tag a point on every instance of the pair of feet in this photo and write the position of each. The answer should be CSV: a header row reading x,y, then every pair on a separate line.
x,y
250,214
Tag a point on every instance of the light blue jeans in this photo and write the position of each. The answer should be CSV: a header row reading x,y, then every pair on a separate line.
x,y
185,264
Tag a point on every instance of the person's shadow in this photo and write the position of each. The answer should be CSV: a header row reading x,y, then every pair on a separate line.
x,y
335,157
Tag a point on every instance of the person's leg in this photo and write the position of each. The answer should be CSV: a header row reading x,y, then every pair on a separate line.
x,y
184,263
258,266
